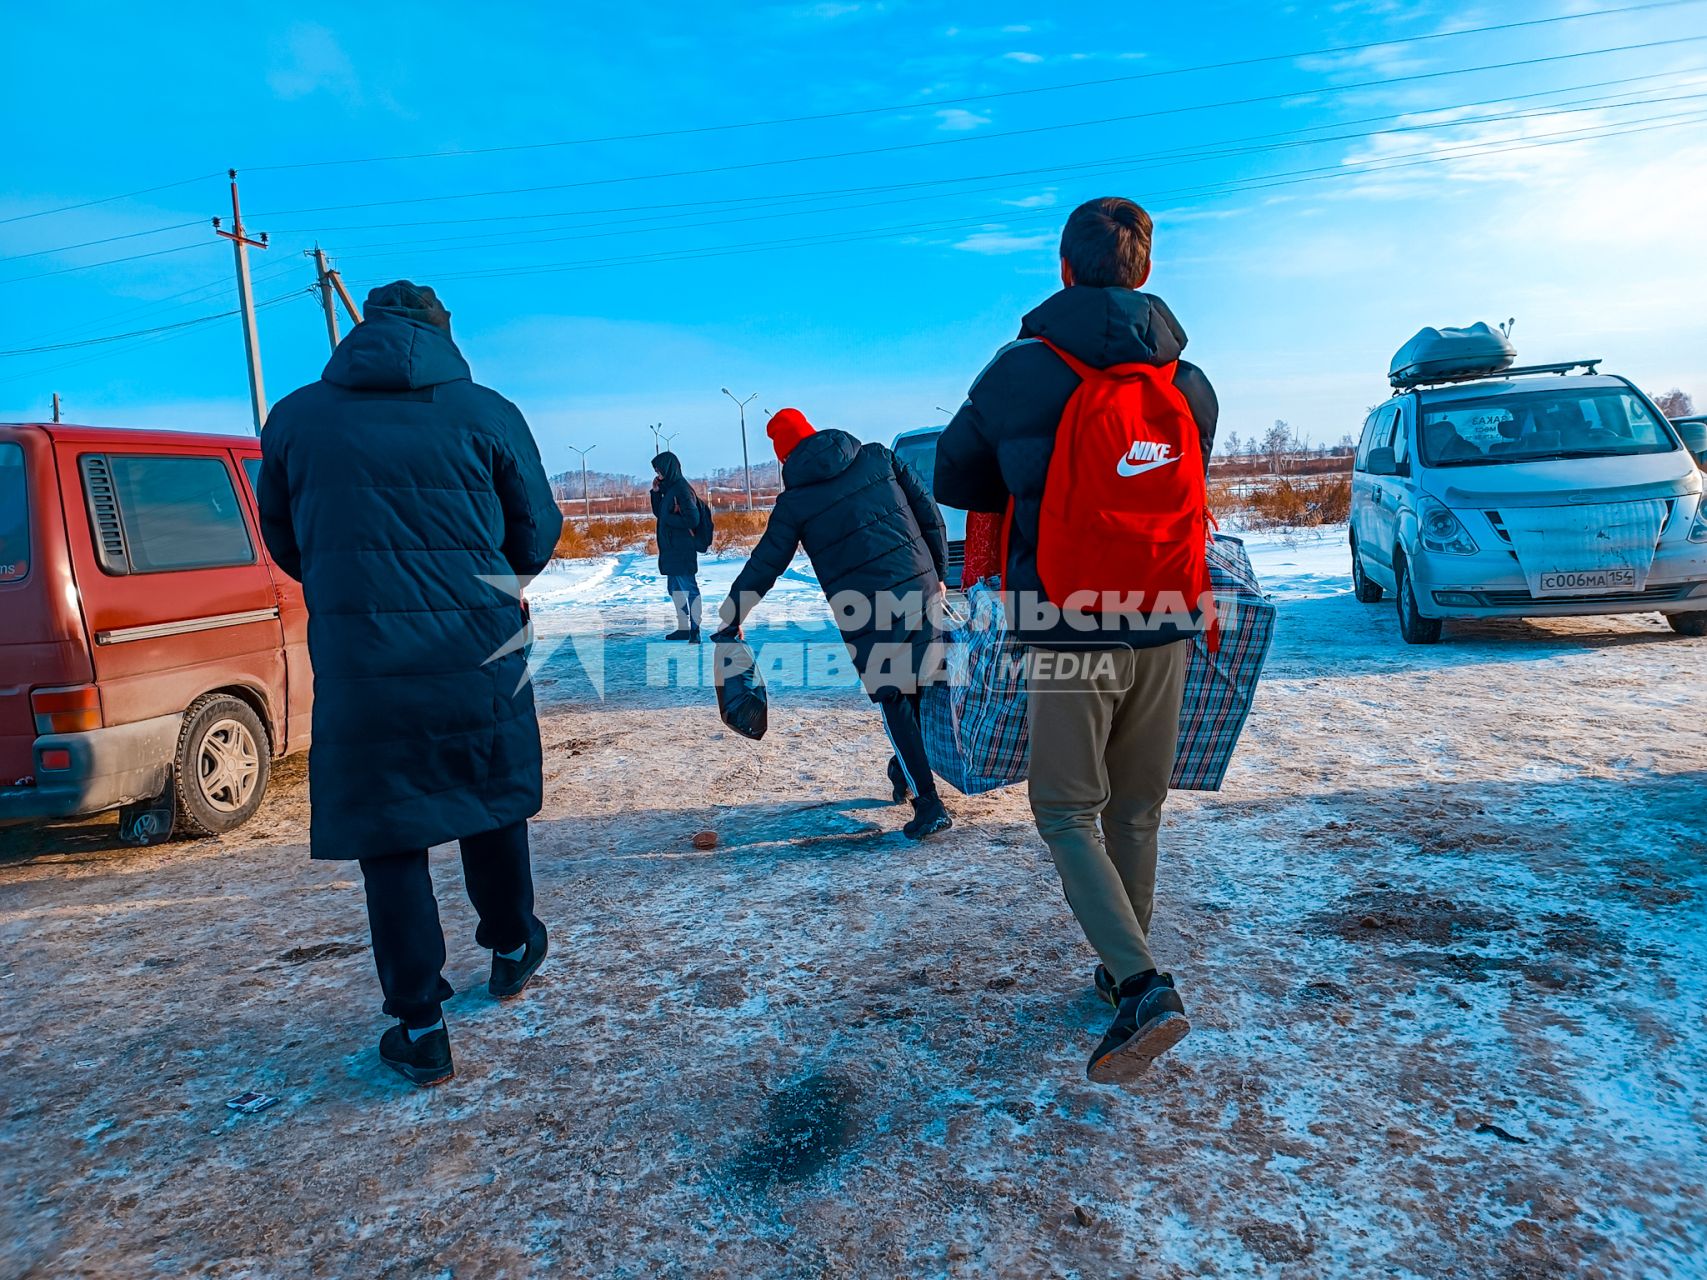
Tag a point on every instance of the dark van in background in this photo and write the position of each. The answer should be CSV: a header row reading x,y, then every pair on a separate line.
x,y
152,657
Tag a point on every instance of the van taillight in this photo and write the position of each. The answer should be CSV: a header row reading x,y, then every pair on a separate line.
x,y
67,710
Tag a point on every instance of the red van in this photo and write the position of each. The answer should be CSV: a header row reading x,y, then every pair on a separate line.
x,y
153,659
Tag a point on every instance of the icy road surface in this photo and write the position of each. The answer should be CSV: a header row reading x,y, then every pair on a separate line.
x,y
1441,938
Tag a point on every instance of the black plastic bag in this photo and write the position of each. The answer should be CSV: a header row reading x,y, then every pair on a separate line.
x,y
741,697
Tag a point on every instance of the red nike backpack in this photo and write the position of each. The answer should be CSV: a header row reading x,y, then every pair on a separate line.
x,y
1125,512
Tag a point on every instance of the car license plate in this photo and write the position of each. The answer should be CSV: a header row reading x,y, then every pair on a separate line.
x,y
1578,582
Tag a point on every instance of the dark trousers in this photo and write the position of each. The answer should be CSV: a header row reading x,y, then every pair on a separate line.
x,y
684,594
403,915
907,737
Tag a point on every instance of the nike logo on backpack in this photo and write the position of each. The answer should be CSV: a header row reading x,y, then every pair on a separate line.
x,y
1145,455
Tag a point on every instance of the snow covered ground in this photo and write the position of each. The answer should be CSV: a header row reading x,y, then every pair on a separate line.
x,y
1441,938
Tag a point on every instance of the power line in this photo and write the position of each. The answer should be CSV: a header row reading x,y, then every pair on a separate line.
x,y
105,353
827,192
128,195
1157,160
106,262
937,103
1382,82
135,333
129,235
1292,178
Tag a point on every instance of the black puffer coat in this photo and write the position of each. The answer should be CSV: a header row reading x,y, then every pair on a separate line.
x,y
870,527
394,488
676,507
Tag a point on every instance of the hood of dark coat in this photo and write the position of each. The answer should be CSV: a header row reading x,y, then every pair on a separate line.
x,y
669,467
1104,327
821,456
389,351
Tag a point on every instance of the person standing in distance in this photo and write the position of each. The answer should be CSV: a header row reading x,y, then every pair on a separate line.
x,y
411,504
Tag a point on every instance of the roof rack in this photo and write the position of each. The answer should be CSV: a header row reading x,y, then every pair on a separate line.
x,y
1403,385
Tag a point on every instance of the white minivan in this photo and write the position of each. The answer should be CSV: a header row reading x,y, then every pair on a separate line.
x,y
917,448
1545,491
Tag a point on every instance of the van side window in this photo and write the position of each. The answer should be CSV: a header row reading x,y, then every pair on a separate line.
x,y
175,513
14,516
1401,440
1366,442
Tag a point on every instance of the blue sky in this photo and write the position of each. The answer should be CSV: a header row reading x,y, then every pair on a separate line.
x,y
1300,237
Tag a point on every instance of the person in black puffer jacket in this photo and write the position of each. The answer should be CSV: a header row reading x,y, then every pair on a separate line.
x,y
878,545
411,504
677,508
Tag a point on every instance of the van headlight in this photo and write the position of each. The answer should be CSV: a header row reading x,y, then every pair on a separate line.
x,y
1698,526
1443,531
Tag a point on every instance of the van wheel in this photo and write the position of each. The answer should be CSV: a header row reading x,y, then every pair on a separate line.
x,y
1415,628
1367,592
224,760
1689,624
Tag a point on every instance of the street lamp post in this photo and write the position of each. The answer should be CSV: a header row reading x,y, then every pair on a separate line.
x,y
586,502
746,466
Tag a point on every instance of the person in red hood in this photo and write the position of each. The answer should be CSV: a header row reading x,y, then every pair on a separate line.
x,y
879,547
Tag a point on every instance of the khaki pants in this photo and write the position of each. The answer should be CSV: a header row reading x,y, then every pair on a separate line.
x,y
1103,728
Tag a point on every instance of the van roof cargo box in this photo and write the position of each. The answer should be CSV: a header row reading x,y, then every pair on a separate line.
x,y
1450,355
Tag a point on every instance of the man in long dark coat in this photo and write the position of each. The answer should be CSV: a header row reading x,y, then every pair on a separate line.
x,y
412,505
878,545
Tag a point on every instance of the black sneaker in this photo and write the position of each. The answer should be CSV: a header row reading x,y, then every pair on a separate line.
x,y
1150,1021
509,977
929,818
898,781
424,1062
680,633
693,636
1108,990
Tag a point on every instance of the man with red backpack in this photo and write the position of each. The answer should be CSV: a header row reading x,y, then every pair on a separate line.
x,y
1091,437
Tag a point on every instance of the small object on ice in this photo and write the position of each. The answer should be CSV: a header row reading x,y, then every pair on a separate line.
x,y
1498,1132
705,839
1084,1215
249,1102
1370,922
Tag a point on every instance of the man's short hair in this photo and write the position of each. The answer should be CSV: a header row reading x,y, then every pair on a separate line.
x,y
1106,243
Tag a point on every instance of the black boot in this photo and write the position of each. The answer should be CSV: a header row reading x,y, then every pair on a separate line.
x,y
929,818
424,1062
693,635
1150,1021
898,781
680,633
510,976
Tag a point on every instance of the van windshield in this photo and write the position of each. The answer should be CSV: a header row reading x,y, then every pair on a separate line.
x,y
919,453
1538,426
14,522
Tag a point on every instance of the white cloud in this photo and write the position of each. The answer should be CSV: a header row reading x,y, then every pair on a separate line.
x,y
958,120
1027,58
1000,241
312,61
1042,200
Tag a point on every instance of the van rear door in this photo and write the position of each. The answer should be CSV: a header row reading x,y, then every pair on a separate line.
x,y
42,641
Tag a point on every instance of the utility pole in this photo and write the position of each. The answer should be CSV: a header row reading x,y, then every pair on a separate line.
x,y
745,465
241,244
322,282
654,428
349,302
56,406
586,502
667,439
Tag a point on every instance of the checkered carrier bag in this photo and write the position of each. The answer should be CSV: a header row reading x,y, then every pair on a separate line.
x,y
1219,687
975,730
975,721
